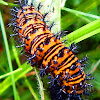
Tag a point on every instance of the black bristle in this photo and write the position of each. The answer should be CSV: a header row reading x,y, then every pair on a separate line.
x,y
83,65
14,15
9,25
66,77
91,78
25,2
89,85
49,27
44,15
49,77
29,62
12,24
32,57
54,80
58,35
88,74
12,19
44,26
79,97
21,6
59,94
14,34
32,63
21,51
61,33
64,41
19,27
79,84
16,8
86,93
39,6
13,10
54,93
73,48
15,29
42,72
20,46
47,67
31,3
20,3
84,59
80,71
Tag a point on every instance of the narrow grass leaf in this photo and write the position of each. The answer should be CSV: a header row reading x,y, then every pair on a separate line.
x,y
5,75
94,67
86,6
75,12
7,82
7,3
16,56
3,2
8,55
31,89
84,32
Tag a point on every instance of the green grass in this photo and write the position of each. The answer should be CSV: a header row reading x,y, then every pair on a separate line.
x,y
81,18
8,56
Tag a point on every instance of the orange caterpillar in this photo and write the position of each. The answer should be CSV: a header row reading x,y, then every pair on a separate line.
x,y
48,52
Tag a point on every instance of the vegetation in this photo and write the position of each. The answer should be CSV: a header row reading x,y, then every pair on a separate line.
x,y
81,18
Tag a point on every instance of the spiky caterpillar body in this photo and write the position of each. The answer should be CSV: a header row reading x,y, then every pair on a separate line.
x,y
48,52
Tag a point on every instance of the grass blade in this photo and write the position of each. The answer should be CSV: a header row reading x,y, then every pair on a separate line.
x,y
7,82
31,89
5,75
8,55
86,6
78,13
83,32
7,3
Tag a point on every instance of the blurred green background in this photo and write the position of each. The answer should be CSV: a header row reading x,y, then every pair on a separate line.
x,y
27,86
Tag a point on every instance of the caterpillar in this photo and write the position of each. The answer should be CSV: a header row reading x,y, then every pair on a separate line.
x,y
68,80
